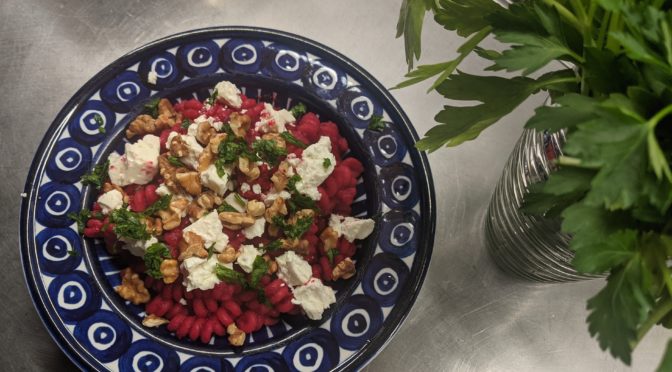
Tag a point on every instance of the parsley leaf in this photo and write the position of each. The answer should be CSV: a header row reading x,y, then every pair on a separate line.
x,y
97,176
213,97
294,231
211,250
229,275
230,149
331,254
154,255
81,218
226,207
289,138
239,199
128,224
298,110
162,204
174,160
326,163
259,269
268,151
298,200
376,123
151,108
273,246
186,123
101,123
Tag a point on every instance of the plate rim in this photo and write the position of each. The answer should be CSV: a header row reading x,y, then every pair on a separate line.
x,y
427,193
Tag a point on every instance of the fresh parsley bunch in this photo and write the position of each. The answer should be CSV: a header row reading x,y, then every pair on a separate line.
x,y
613,186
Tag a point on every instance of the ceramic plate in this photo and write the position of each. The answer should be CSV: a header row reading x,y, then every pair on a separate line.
x,y
71,279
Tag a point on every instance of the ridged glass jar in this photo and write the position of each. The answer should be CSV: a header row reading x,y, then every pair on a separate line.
x,y
532,247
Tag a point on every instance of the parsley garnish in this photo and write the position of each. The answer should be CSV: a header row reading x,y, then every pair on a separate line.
x,y
298,200
80,218
154,255
174,160
259,269
229,275
291,183
239,199
231,148
101,124
273,246
226,207
211,250
268,151
296,230
186,123
128,224
376,123
213,97
162,204
326,163
298,110
333,252
97,176
151,108
289,138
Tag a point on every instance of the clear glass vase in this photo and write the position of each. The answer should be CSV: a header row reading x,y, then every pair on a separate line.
x,y
532,247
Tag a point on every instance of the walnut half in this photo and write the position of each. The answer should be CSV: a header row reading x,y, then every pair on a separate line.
x,y
345,269
153,321
170,270
132,288
191,245
236,336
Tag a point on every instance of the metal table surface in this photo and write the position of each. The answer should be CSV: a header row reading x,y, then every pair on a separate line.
x,y
468,317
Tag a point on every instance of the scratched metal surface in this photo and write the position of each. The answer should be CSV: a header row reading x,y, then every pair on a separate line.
x,y
468,317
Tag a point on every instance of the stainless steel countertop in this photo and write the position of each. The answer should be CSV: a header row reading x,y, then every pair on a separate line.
x,y
468,317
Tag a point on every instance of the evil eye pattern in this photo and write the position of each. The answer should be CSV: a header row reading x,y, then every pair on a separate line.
x,y
283,62
59,250
124,92
74,296
264,362
105,335
239,55
145,356
70,161
397,183
85,124
356,321
100,336
384,278
203,364
317,351
358,106
386,146
324,80
164,66
398,234
198,58
55,202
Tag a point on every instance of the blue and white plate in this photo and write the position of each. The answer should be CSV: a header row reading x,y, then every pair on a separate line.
x,y
71,279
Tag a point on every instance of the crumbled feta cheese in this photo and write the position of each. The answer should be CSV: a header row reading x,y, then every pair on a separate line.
x,y
138,247
201,273
203,119
314,297
271,196
138,165
195,149
237,202
255,230
151,77
311,167
246,257
352,228
192,129
229,93
163,190
271,120
245,187
209,227
211,179
256,188
110,201
293,269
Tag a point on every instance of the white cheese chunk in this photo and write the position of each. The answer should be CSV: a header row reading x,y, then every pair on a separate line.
x,y
256,188
271,120
151,77
314,297
138,247
211,179
193,128
311,168
237,202
245,187
293,269
194,149
352,228
200,273
271,196
255,230
246,258
229,94
209,227
163,190
110,201
138,165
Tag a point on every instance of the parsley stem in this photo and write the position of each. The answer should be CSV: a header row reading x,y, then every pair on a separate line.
x,y
545,83
653,122
662,308
566,14
662,262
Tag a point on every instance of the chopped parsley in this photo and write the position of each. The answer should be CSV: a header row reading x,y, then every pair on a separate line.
x,y
80,218
151,108
186,123
229,275
101,124
377,123
331,254
268,151
213,97
289,138
294,231
259,269
298,200
298,110
154,255
273,246
231,148
211,250
239,200
326,163
226,207
174,160
97,176
159,205
128,224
